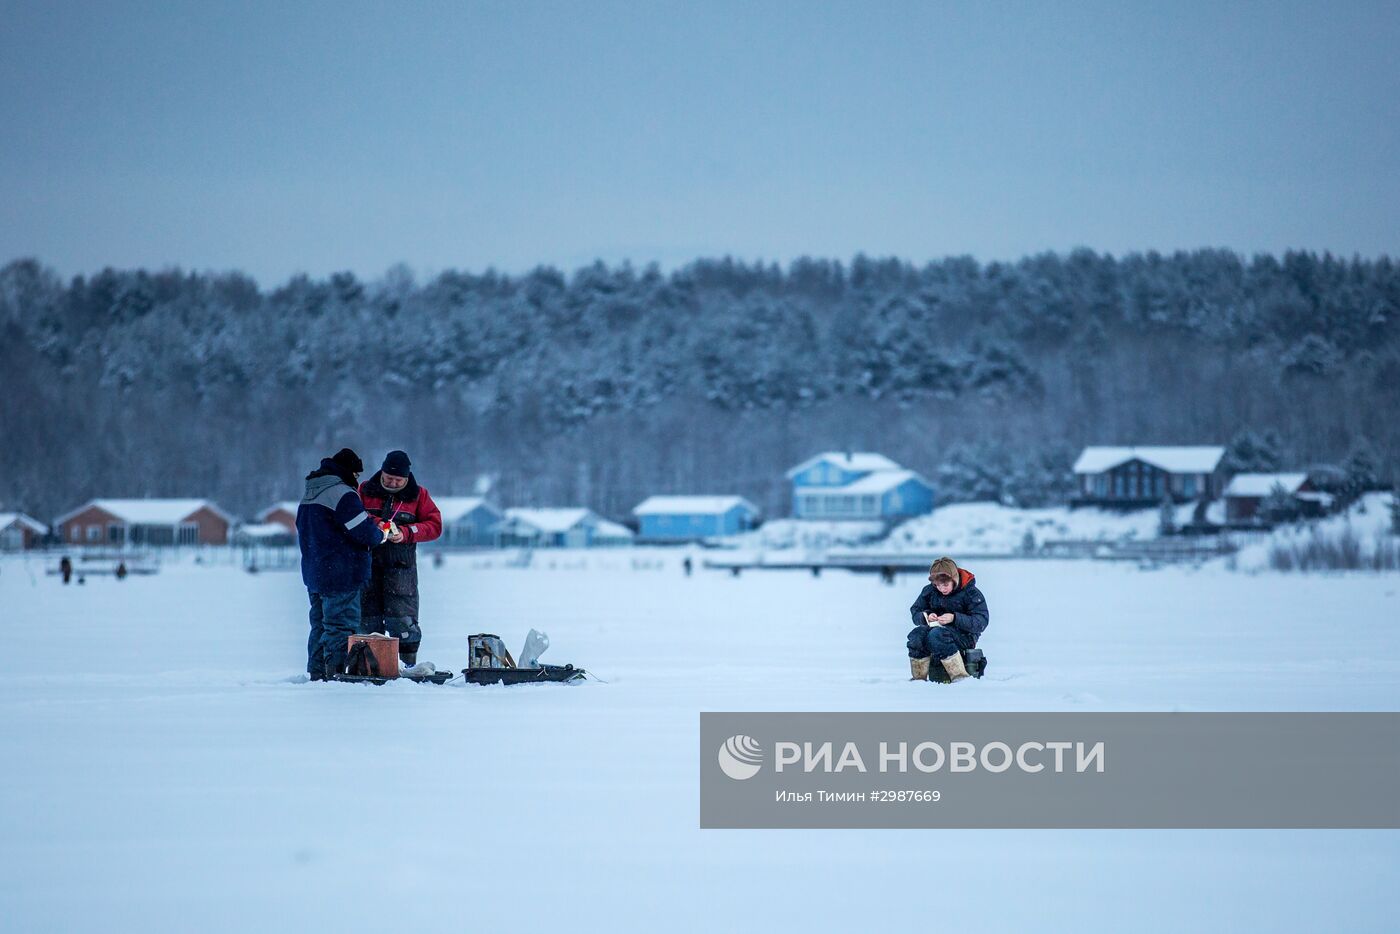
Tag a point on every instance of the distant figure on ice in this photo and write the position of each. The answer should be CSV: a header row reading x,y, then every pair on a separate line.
x,y
389,602
336,535
65,568
689,566
948,616
121,571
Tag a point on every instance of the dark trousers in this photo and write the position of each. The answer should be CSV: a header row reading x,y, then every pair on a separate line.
x,y
335,617
938,641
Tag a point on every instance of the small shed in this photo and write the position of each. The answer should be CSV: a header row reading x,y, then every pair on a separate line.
x,y
282,513
608,534
1248,491
159,522
19,532
690,518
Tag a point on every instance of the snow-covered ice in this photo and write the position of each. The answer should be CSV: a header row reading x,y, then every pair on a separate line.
x,y
166,769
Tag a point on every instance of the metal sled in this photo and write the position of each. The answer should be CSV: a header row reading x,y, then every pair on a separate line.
x,y
540,675
437,677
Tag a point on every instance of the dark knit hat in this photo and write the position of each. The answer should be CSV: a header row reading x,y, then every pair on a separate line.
x,y
348,461
397,464
944,567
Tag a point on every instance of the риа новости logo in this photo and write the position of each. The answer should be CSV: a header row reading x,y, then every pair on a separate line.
x,y
740,757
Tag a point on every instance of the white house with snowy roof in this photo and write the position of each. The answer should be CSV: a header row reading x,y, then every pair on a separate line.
x,y
691,518
1145,475
553,527
19,531
145,522
857,485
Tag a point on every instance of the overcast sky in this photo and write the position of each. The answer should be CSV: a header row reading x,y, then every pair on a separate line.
x,y
286,137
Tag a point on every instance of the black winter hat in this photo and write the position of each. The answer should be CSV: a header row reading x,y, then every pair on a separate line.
x,y
348,461
397,464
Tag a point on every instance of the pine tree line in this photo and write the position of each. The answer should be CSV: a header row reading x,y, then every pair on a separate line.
x,y
612,383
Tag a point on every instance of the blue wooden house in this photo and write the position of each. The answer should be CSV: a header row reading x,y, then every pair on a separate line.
x,y
468,522
549,527
857,485
691,518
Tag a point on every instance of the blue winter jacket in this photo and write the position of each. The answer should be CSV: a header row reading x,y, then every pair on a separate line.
x,y
966,603
335,533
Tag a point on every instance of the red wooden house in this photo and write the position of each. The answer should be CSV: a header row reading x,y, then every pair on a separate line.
x,y
145,522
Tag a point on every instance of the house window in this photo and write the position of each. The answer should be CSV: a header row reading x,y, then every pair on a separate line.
x,y
189,533
75,533
94,533
1188,484
867,505
114,533
1101,485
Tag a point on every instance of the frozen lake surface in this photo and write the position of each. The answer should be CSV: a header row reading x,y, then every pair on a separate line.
x,y
166,768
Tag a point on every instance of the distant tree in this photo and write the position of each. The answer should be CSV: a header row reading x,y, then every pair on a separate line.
x,y
1279,506
1254,452
1166,517
1362,470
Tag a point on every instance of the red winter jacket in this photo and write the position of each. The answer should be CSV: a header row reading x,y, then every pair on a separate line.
x,y
411,509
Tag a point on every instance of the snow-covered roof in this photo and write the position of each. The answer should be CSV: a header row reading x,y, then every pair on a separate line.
x,y
859,461
606,529
1262,484
875,483
691,505
286,505
551,519
263,530
8,519
454,508
148,511
1189,459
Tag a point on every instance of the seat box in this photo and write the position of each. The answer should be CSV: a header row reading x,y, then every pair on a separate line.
x,y
385,649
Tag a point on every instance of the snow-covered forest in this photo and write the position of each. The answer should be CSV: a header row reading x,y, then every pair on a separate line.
x,y
605,385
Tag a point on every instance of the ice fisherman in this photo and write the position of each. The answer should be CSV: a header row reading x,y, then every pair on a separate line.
x,y
389,602
336,536
949,614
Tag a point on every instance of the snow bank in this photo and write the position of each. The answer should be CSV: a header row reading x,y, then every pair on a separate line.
x,y
994,529
1365,529
805,534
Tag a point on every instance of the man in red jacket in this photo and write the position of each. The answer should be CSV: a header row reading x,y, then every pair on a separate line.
x,y
389,602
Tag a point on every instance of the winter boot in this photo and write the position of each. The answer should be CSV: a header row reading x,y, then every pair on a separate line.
x,y
918,669
408,659
953,664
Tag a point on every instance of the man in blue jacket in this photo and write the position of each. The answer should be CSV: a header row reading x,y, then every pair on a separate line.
x,y
336,535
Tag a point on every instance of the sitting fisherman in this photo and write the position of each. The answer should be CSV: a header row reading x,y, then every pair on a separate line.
x,y
949,615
